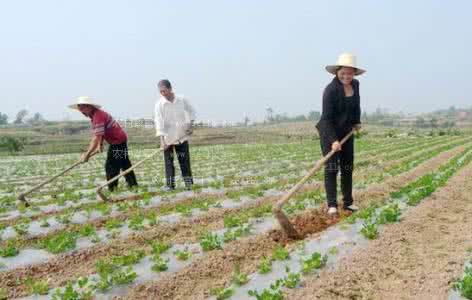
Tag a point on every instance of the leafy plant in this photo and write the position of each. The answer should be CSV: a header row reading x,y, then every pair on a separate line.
x,y
333,250
370,231
111,274
232,221
314,262
22,208
130,259
104,208
61,201
136,204
61,242
136,222
122,206
183,209
40,287
124,276
464,285
233,234
280,253
82,282
44,223
351,219
261,211
87,230
152,218
265,266
21,228
222,293
272,293
389,214
10,250
70,293
210,241
159,247
160,264
239,278
95,238
366,213
292,280
64,219
88,212
183,254
204,205
112,224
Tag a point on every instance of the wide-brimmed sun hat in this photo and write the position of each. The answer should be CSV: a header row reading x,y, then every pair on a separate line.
x,y
345,60
84,100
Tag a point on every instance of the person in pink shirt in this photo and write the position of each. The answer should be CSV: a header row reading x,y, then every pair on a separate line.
x,y
105,128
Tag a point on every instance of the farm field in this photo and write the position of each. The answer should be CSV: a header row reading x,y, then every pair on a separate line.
x,y
220,240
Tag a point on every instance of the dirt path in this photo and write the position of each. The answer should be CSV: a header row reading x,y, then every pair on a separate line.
x,y
414,259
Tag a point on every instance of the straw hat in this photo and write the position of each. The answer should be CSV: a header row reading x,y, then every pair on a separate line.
x,y
345,60
84,100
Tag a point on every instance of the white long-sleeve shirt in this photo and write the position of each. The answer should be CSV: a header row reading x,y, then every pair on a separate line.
x,y
171,118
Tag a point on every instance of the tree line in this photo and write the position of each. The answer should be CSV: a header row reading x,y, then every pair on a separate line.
x,y
21,118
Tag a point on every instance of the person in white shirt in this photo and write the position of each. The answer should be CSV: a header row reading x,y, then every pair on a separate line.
x,y
174,118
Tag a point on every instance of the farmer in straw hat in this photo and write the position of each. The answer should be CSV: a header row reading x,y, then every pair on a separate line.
x,y
106,128
341,113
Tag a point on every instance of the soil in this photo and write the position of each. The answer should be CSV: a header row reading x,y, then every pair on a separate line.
x,y
198,275
417,258
311,221
195,281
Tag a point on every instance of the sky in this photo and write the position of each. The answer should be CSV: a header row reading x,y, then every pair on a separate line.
x,y
231,58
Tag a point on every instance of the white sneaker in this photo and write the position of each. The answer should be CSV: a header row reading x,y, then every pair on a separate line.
x,y
352,208
167,188
332,211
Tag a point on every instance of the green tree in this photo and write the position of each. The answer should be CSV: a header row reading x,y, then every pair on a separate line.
x,y
314,115
3,119
20,116
11,144
37,119
246,121
420,122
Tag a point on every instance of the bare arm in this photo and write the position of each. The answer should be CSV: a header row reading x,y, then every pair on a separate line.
x,y
191,116
95,144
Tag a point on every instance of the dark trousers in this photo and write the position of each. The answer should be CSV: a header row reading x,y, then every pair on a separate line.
x,y
343,160
183,155
118,159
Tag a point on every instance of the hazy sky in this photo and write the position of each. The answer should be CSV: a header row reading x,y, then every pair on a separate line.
x,y
231,58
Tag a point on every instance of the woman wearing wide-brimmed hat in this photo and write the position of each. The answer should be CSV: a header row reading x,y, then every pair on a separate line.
x,y
341,113
105,128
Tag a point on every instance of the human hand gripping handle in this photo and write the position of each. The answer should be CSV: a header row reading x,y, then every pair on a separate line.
x,y
336,146
189,128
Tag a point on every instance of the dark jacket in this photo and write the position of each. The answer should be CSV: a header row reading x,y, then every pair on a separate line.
x,y
339,115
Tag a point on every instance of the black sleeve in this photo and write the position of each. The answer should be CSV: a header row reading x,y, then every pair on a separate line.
x,y
326,124
357,112
357,108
